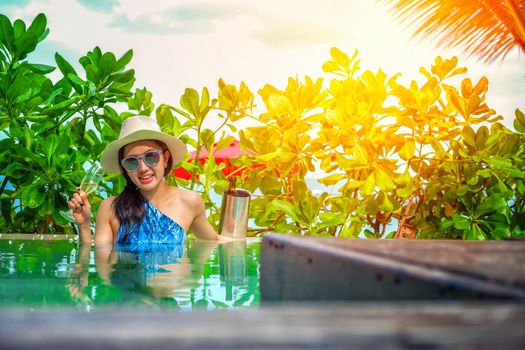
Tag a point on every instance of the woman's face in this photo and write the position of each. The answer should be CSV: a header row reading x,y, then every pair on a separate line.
x,y
146,178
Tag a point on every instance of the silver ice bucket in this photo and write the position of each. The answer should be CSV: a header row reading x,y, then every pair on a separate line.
x,y
234,213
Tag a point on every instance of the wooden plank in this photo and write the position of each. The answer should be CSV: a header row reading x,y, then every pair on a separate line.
x,y
307,268
500,261
437,325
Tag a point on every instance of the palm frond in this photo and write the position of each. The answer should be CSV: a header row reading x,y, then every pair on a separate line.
x,y
488,29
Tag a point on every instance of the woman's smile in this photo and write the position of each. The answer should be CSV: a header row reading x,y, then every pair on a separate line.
x,y
146,178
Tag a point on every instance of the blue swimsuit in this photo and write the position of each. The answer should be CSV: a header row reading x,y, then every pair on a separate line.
x,y
157,240
155,228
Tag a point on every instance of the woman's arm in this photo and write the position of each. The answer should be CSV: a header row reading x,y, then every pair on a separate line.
x,y
81,209
103,230
200,226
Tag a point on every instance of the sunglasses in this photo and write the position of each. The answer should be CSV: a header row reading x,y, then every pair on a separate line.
x,y
150,158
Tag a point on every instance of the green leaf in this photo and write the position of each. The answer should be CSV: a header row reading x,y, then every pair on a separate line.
x,y
224,142
460,222
485,173
106,64
24,45
50,146
331,219
205,101
7,35
351,231
469,136
38,26
124,60
498,163
474,233
493,204
19,88
287,208
369,234
481,137
383,180
385,204
309,208
190,102
64,145
33,195
76,82
269,185
334,179
141,102
514,173
181,112
48,204
445,224
6,210
16,170
350,186
369,185
267,157
404,192
19,28
165,118
407,150
41,68
124,77
60,106
299,190
93,74
437,147
64,65
473,180
208,139
403,179
519,122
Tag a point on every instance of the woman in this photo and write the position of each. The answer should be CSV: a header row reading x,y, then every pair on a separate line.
x,y
148,210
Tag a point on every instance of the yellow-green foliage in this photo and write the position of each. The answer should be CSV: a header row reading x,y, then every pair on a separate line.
x,y
427,153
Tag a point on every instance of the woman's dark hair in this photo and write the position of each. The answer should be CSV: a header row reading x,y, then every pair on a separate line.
x,y
129,205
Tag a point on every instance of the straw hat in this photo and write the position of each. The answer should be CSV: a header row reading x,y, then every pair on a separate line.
x,y
135,129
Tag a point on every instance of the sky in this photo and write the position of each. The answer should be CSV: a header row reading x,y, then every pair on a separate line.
x,y
179,44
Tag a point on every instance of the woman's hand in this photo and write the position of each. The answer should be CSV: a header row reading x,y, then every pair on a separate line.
x,y
80,207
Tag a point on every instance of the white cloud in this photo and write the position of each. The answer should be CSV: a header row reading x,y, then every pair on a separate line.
x,y
282,34
100,5
180,19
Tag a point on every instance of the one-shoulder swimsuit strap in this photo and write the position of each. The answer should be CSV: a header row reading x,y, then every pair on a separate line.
x,y
156,227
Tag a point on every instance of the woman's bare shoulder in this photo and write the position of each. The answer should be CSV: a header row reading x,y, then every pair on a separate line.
x,y
108,202
188,196
106,206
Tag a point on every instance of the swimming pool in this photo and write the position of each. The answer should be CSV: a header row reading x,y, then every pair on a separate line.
x,y
49,273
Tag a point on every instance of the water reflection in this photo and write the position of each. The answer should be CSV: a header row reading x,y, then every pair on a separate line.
x,y
196,274
233,268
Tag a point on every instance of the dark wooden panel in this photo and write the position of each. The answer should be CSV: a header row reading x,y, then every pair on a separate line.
x,y
307,268
436,325
502,261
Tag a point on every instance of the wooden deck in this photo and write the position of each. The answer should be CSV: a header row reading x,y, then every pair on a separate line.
x,y
401,325
368,295
308,268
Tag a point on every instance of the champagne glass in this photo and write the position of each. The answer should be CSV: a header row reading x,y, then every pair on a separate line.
x,y
89,184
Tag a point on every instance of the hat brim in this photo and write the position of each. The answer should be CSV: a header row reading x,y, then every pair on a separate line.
x,y
109,160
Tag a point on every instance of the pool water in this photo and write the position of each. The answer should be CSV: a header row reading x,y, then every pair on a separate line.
x,y
60,273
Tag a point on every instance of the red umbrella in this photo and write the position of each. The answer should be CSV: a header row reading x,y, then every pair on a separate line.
x,y
221,156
